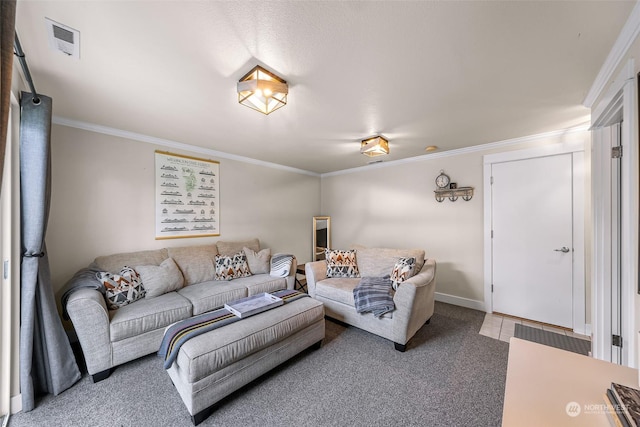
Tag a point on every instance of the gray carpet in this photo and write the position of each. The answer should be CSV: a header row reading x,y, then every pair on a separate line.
x,y
552,339
450,375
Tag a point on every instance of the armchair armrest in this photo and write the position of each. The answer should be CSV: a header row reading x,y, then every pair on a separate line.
x,y
414,301
424,276
88,312
314,272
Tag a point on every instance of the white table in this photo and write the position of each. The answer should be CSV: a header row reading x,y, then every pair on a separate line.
x,y
542,381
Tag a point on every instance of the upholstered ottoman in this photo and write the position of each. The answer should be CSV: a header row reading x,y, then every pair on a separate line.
x,y
211,366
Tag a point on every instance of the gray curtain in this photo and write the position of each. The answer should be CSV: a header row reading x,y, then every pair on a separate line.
x,y
47,363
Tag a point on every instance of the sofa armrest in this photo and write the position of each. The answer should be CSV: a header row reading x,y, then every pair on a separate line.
x,y
88,312
415,302
314,272
291,278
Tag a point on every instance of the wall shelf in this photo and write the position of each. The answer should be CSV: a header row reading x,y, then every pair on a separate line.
x,y
452,194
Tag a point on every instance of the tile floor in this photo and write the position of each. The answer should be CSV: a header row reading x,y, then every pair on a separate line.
x,y
502,327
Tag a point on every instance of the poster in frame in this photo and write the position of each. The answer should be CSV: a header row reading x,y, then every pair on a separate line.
x,y
187,196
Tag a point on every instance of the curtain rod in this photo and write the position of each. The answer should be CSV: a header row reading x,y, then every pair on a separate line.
x,y
25,68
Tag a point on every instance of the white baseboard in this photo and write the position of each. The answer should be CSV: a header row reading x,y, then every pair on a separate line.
x,y
16,403
462,302
583,331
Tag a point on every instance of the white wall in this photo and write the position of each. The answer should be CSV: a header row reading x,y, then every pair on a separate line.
x,y
103,202
394,206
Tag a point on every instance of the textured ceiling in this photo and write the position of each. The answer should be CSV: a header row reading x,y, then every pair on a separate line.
x,y
445,73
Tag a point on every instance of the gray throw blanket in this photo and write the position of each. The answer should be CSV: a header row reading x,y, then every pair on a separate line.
x,y
373,294
85,278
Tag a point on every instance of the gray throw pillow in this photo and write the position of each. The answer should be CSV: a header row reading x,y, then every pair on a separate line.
x,y
197,263
160,279
259,262
232,248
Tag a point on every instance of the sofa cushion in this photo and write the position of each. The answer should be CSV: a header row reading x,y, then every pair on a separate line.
x,y
338,289
230,248
147,315
121,288
232,267
207,296
402,270
114,263
259,262
197,263
260,283
160,279
377,262
341,263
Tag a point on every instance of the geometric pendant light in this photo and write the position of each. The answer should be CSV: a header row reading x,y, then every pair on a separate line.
x,y
262,90
375,146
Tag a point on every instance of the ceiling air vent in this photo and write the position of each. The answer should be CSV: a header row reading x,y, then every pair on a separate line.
x,y
63,39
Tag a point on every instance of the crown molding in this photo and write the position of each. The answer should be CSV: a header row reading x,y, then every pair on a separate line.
x,y
617,54
106,130
63,121
459,151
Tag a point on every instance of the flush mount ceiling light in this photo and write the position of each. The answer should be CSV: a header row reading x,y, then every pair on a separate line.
x,y
375,146
262,90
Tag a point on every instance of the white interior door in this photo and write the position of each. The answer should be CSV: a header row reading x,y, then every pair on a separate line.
x,y
532,245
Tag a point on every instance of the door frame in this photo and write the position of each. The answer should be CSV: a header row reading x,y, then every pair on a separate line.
x,y
620,98
576,148
10,397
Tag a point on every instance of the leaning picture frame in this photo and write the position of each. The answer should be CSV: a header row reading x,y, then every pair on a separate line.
x,y
187,196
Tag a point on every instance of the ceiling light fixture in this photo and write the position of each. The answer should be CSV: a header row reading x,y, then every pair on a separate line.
x,y
262,90
374,146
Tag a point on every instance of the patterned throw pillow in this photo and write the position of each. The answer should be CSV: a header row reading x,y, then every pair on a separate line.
x,y
121,289
341,263
402,270
232,267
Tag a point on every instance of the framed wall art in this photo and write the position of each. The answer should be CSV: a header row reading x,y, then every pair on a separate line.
x,y
187,196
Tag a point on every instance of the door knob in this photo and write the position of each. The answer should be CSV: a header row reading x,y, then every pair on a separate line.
x,y
563,249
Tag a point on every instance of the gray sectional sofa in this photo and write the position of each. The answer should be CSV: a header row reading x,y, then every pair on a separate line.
x,y
414,298
111,337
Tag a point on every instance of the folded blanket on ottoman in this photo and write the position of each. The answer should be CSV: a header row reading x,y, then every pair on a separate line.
x,y
373,294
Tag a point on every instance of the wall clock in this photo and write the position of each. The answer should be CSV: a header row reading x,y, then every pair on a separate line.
x,y
442,180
